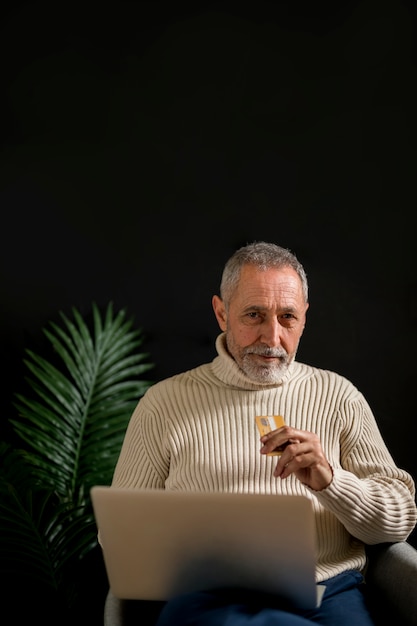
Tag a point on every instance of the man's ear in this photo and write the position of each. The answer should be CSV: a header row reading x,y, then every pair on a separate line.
x,y
220,312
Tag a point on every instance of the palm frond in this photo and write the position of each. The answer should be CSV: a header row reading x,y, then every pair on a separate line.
x,y
70,427
74,424
34,524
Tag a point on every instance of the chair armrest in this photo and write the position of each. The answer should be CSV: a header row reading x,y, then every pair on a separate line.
x,y
391,578
119,612
113,610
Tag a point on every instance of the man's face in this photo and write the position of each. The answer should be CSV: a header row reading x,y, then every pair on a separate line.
x,y
265,321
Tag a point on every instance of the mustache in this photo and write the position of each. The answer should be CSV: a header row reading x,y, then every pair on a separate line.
x,y
278,353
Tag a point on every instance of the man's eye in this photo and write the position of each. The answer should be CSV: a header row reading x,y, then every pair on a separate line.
x,y
288,316
288,320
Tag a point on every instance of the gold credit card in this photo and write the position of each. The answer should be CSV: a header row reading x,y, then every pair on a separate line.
x,y
265,424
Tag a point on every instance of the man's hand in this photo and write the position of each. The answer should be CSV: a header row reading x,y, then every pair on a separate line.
x,y
302,455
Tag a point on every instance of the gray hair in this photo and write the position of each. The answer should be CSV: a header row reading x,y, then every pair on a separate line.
x,y
264,256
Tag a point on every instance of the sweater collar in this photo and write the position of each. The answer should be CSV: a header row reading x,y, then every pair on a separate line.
x,y
227,370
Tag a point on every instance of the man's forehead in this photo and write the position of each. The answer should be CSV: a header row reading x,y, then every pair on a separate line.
x,y
274,279
263,289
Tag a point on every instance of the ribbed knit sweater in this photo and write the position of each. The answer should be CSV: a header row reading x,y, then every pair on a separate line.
x,y
196,431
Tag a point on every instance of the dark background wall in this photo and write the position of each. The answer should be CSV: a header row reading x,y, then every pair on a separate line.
x,y
142,142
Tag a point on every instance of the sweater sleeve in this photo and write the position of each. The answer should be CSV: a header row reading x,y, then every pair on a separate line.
x,y
144,459
370,495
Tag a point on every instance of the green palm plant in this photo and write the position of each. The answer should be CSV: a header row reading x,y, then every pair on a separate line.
x,y
69,430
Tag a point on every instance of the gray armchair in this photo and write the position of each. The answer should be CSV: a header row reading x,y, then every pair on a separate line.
x,y
391,586
391,579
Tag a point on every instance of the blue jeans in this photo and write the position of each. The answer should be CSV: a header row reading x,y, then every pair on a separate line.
x,y
343,604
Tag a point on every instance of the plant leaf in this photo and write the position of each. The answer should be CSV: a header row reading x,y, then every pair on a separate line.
x,y
74,422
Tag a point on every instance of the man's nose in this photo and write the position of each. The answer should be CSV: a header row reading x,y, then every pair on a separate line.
x,y
271,333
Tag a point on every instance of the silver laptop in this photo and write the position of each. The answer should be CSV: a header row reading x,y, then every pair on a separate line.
x,y
157,544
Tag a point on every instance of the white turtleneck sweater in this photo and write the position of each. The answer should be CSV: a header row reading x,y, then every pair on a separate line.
x,y
196,431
